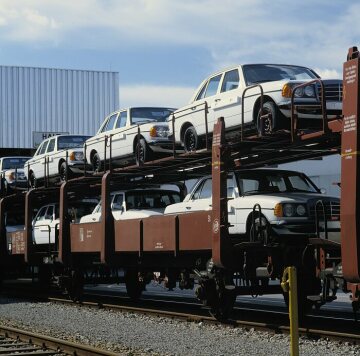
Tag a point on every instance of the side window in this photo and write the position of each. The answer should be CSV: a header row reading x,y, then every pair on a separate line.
x,y
121,121
206,191
49,213
230,188
43,148
231,80
118,202
213,86
197,192
202,92
51,145
41,215
110,123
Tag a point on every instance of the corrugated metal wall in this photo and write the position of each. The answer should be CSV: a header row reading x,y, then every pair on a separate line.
x,y
53,100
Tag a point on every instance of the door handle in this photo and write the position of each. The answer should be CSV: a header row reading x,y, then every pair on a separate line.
x,y
93,219
216,100
188,207
193,108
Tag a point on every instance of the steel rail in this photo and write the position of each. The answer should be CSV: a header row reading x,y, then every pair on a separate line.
x,y
51,343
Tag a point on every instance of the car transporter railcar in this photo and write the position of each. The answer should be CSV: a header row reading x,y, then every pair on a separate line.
x,y
195,248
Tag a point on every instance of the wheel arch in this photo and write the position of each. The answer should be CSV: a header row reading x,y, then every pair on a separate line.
x,y
266,98
61,161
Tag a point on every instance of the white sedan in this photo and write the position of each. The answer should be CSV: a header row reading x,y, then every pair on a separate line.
x,y
119,133
220,95
136,204
289,203
57,157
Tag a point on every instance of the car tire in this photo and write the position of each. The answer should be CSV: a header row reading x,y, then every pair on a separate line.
x,y
260,231
64,172
271,123
191,139
142,152
96,163
32,180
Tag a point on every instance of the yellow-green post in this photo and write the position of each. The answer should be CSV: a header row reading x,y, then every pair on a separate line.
x,y
289,285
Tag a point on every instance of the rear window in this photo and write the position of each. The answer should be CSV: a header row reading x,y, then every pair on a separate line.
x,y
12,163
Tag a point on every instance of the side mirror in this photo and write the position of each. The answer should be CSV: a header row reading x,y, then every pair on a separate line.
x,y
323,191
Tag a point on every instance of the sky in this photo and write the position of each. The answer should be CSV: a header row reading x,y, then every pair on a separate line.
x,y
163,49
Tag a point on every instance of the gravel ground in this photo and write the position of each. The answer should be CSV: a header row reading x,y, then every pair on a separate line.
x,y
134,335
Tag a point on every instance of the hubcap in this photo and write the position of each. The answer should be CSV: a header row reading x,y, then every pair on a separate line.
x,y
190,141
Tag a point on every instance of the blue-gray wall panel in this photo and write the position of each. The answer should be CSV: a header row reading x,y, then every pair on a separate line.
x,y
53,100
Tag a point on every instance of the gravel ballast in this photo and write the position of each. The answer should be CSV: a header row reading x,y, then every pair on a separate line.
x,y
132,334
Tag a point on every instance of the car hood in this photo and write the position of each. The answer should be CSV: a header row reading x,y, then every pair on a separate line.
x,y
269,200
137,214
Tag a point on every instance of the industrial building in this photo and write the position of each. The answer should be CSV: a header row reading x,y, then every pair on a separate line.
x,y
36,103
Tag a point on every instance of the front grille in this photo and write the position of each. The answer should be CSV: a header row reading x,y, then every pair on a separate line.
x,y
332,210
334,92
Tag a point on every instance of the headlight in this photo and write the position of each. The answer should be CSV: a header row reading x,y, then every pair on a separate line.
x,y
300,210
159,131
10,176
309,91
76,156
299,92
289,210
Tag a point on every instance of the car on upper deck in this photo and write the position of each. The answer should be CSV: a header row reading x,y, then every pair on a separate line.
x,y
136,204
123,127
289,203
220,95
57,158
12,173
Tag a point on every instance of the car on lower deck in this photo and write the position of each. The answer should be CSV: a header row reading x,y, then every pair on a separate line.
x,y
289,203
119,133
57,158
136,204
220,95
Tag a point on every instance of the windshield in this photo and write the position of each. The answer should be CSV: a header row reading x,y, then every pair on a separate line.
x,y
141,115
65,142
12,163
261,73
151,199
260,182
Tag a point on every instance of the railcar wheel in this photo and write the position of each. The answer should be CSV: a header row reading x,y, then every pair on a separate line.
x,y
142,152
96,163
64,172
191,140
273,120
134,284
75,285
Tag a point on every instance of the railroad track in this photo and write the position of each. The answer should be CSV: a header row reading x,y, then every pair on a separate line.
x,y
16,342
315,326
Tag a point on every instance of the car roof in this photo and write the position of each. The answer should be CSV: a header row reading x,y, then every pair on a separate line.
x,y
13,157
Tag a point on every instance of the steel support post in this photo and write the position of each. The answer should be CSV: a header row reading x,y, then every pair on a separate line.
x,y
221,246
64,231
350,171
107,221
28,224
289,285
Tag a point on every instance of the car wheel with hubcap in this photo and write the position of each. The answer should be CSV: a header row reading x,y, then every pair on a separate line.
x,y
142,152
32,180
191,139
64,172
96,163
271,122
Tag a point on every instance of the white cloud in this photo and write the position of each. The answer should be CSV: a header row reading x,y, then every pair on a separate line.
x,y
154,95
328,73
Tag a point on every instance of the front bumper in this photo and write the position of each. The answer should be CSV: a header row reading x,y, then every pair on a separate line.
x,y
307,228
164,146
77,167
